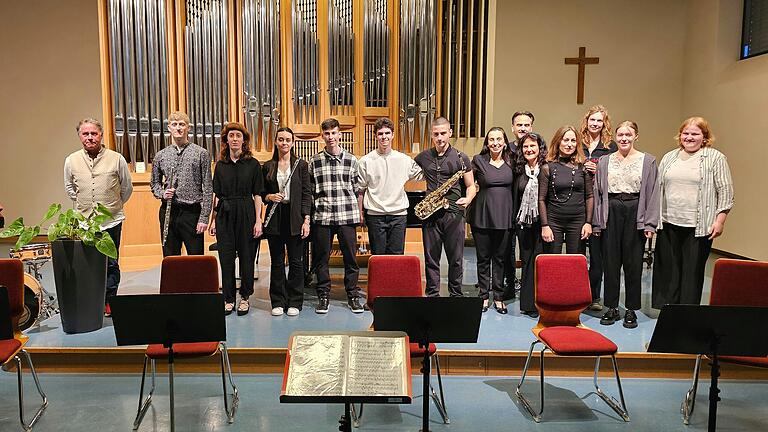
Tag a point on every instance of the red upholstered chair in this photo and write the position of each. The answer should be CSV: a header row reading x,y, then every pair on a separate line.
x,y
400,276
734,283
188,274
562,293
12,341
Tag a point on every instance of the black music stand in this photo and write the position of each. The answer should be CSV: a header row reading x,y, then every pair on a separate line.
x,y
712,331
429,320
168,319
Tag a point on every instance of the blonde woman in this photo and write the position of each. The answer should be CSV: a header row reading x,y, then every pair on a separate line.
x,y
696,196
596,139
626,213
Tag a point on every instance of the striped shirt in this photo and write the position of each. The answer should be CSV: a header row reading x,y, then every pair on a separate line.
x,y
715,188
334,185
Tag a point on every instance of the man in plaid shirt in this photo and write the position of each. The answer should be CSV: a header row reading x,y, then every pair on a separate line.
x,y
333,173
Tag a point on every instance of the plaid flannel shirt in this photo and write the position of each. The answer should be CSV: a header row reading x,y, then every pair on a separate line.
x,y
334,185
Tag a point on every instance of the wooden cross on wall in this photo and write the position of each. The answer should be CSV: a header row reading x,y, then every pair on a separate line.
x,y
582,60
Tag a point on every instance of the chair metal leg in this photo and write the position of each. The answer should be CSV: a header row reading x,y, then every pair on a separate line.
x,y
686,408
43,406
226,368
613,403
439,401
144,404
526,404
355,415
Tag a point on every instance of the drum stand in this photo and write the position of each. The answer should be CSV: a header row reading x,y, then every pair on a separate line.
x,y
48,304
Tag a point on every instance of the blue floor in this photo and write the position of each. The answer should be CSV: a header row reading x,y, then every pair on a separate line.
x,y
100,402
260,329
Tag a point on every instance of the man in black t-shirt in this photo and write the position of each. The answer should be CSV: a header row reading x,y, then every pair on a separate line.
x,y
446,227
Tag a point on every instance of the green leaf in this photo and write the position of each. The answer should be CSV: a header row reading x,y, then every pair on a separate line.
x,y
103,210
26,236
14,229
106,246
52,210
100,219
52,233
88,237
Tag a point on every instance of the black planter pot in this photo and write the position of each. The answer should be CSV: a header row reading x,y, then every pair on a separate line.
x,y
80,273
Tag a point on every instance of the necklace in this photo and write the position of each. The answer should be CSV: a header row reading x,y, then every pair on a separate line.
x,y
552,183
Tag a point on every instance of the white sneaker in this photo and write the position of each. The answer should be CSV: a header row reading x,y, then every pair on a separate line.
x,y
277,311
292,311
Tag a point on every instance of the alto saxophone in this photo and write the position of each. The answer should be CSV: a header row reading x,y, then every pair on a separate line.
x,y
436,199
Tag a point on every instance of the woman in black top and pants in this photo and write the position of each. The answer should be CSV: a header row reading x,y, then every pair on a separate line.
x,y
596,141
565,195
491,215
236,220
289,197
528,162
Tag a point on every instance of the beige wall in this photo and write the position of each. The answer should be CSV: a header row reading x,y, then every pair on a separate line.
x,y
49,78
733,95
639,76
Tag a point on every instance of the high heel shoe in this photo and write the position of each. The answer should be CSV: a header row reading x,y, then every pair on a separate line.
x,y
485,306
500,309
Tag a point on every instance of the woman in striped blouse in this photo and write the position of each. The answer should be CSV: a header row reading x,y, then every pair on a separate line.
x,y
696,195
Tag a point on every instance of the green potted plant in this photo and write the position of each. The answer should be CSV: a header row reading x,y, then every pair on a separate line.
x,y
79,249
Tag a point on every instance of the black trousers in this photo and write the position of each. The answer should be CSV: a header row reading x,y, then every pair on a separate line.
x,y
234,238
321,253
444,229
596,246
182,229
510,266
386,234
566,229
286,293
113,268
531,245
491,246
678,266
623,247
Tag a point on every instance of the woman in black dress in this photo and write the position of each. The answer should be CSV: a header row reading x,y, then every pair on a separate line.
x,y
491,215
530,158
289,200
565,195
596,142
236,218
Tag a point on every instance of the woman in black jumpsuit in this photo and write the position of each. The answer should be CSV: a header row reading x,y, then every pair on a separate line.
x,y
236,220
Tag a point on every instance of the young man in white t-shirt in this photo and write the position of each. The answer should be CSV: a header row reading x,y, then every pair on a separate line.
x,y
382,175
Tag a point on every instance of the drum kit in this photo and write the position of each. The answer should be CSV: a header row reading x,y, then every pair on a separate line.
x,y
39,304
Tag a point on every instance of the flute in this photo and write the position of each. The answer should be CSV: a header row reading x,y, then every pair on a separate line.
x,y
285,185
166,222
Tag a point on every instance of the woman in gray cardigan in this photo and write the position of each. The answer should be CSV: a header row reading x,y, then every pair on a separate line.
x,y
626,213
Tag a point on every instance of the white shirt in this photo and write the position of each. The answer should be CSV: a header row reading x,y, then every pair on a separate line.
x,y
383,176
680,201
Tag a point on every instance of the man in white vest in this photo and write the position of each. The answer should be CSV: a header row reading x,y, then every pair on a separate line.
x,y
96,174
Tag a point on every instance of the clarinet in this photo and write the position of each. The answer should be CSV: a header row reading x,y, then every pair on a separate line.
x,y
166,222
285,185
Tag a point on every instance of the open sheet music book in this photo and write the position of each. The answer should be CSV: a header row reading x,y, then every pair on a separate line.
x,y
356,364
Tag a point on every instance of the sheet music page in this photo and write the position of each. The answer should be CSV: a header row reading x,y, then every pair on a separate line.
x,y
318,365
376,366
